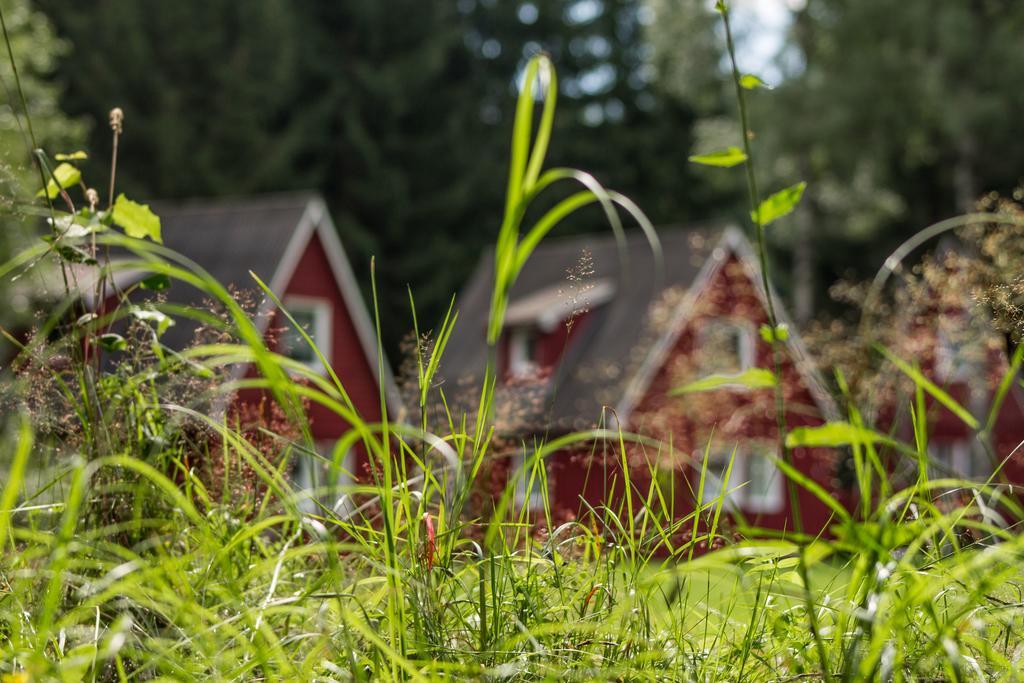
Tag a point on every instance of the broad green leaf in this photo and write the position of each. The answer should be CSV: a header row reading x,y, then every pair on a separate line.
x,y
136,219
73,156
64,176
754,378
780,333
156,283
929,386
162,320
750,82
723,158
113,342
833,434
779,204
792,577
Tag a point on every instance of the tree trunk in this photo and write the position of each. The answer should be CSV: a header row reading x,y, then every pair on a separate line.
x,y
965,183
803,267
804,261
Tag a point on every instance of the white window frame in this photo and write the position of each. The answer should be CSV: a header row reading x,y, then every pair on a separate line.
x,y
309,470
953,361
745,331
770,498
520,364
522,472
714,483
958,459
742,493
323,320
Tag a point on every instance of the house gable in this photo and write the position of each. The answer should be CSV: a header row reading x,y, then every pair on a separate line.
x,y
727,287
312,281
732,420
314,269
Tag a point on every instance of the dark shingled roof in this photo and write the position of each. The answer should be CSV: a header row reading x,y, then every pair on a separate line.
x,y
228,237
606,352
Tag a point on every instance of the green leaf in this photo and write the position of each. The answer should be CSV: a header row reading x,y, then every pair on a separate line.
x,y
162,320
64,176
792,577
156,283
929,386
780,333
723,158
136,219
779,204
751,82
754,378
720,6
833,434
113,342
73,156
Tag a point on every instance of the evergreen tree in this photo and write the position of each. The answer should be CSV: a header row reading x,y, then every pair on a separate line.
x,y
399,112
913,118
35,48
897,115
207,88
612,119
403,156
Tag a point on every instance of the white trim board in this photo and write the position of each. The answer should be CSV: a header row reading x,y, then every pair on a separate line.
x,y
316,220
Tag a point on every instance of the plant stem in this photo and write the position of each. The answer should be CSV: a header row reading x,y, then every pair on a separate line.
x,y
780,402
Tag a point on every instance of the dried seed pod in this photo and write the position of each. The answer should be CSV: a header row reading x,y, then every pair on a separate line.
x,y
117,120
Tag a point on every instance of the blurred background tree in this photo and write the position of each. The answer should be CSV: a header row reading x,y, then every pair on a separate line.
x,y
38,49
398,112
897,114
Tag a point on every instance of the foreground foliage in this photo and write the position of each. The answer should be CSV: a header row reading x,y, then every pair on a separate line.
x,y
150,532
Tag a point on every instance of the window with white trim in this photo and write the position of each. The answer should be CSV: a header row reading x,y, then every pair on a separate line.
x,y
764,489
715,483
958,357
529,493
314,316
755,483
726,346
959,459
522,351
325,478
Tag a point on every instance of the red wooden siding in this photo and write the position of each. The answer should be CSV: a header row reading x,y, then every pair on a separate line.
x,y
313,277
737,415
550,346
921,345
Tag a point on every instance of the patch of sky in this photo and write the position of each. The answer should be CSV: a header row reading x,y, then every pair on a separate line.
x,y
583,11
528,13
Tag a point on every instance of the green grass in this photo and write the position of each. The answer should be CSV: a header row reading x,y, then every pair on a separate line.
x,y
148,534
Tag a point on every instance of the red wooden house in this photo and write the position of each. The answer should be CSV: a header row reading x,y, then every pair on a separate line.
x,y
596,335
290,242
945,329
